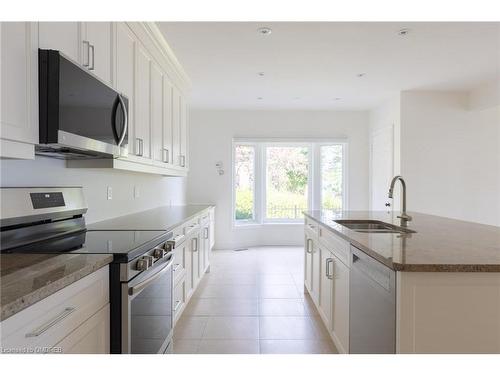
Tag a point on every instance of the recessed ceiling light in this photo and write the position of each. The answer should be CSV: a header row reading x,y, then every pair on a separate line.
x,y
264,30
403,32
259,98
261,74
337,98
296,98
361,75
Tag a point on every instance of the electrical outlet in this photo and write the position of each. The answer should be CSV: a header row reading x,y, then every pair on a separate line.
x,y
110,193
137,192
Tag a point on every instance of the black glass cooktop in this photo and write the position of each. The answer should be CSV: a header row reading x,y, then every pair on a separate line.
x,y
124,245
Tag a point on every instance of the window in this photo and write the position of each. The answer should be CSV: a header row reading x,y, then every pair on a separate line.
x,y
274,182
244,182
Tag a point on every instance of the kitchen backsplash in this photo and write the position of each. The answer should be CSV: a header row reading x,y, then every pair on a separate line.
x,y
131,192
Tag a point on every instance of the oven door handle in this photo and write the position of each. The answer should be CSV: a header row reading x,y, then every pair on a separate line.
x,y
143,284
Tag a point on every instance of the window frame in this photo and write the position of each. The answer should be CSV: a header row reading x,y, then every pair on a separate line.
x,y
314,198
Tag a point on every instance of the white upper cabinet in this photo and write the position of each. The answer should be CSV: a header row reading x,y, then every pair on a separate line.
x,y
176,126
142,104
97,47
65,37
183,132
19,89
158,154
167,120
125,73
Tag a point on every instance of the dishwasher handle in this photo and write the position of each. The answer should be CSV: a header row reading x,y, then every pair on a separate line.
x,y
372,269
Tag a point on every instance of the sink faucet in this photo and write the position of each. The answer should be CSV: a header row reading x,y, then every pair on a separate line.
x,y
405,218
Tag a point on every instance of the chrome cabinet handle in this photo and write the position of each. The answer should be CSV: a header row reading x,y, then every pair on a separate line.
x,y
87,45
91,47
309,248
183,160
165,155
327,265
194,244
45,327
176,266
125,120
206,233
177,304
140,147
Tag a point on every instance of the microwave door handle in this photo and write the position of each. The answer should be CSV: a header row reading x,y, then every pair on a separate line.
x,y
113,120
125,121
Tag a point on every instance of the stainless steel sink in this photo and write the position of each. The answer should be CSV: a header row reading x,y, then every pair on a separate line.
x,y
372,226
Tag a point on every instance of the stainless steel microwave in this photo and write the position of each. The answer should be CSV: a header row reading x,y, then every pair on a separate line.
x,y
80,116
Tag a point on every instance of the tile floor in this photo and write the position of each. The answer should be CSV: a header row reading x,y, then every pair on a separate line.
x,y
252,302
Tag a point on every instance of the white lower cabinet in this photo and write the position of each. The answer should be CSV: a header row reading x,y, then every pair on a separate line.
x,y
74,319
92,337
326,278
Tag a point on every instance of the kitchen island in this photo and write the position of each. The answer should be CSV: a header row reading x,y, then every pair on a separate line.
x,y
441,278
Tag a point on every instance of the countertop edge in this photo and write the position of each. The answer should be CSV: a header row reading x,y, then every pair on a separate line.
x,y
30,299
399,267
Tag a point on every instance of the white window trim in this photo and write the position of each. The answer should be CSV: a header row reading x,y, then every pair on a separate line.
x,y
314,189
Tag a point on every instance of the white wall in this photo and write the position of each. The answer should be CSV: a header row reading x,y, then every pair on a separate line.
x,y
154,190
385,126
450,154
211,134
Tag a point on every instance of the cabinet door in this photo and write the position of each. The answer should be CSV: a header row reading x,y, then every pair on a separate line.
x,y
325,288
125,75
308,263
167,120
195,259
157,113
62,36
176,126
98,50
316,271
142,100
340,308
183,132
19,83
188,258
92,337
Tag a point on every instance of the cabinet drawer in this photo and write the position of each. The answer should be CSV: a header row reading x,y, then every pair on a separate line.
x,y
338,246
204,218
47,322
180,294
179,265
311,225
211,213
191,226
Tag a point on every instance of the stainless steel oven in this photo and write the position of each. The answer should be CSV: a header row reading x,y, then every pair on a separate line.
x,y
147,318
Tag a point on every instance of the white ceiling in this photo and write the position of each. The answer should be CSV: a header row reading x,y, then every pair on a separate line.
x,y
307,65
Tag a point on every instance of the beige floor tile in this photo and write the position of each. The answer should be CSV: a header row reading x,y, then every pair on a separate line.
x,y
229,347
319,326
279,279
222,307
287,328
278,291
296,347
238,328
182,346
227,291
282,307
231,278
190,327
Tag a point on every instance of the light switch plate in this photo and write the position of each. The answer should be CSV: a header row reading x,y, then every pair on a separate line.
x,y
137,192
110,193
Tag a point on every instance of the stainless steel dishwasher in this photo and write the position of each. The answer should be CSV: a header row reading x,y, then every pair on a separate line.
x,y
372,310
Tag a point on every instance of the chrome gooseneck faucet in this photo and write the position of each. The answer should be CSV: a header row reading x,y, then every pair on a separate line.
x,y
405,218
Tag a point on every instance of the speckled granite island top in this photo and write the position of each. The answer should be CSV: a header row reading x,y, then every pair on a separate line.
x,y
28,278
440,244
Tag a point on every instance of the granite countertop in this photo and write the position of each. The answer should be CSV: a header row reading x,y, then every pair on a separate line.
x,y
161,218
28,278
440,244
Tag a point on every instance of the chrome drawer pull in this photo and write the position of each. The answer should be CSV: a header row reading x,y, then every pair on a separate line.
x,y
177,304
176,266
37,332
